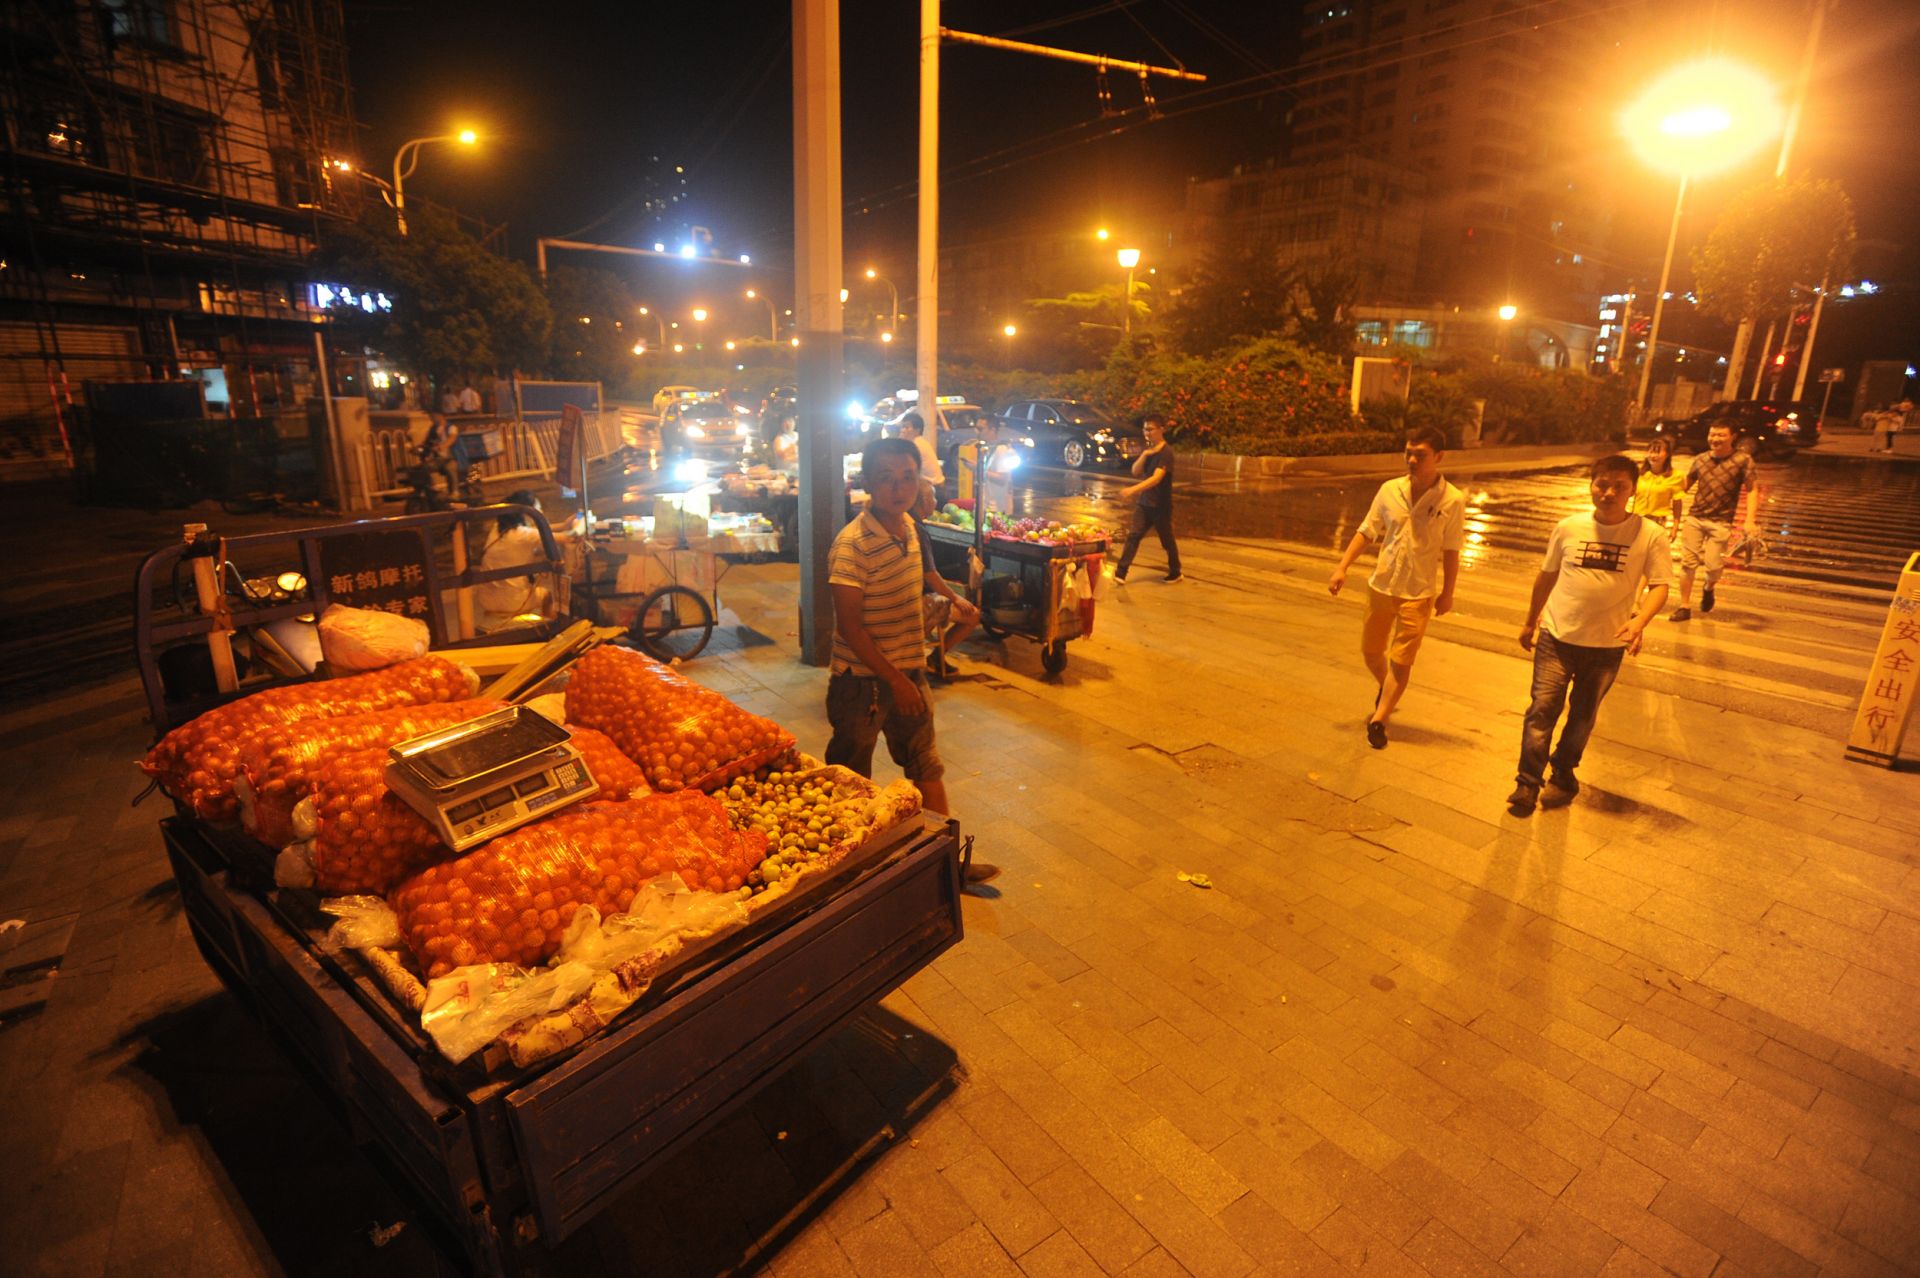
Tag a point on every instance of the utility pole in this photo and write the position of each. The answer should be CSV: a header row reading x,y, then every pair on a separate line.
x,y
926,318
817,216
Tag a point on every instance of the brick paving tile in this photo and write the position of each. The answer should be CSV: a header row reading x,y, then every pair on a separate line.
x,y
1360,1190
1476,1214
1562,1245
1727,1234
1273,1240
972,1253
1059,1256
1003,1204
1632,1223
1445,1254
1158,1263
1000,1124
1098,1223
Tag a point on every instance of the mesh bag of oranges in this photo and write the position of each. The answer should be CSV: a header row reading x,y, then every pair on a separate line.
x,y
199,761
277,762
683,735
511,900
367,839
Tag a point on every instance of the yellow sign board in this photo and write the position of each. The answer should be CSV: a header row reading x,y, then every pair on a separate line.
x,y
1893,681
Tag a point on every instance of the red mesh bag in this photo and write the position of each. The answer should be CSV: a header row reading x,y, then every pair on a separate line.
x,y
278,760
681,734
198,762
366,839
510,901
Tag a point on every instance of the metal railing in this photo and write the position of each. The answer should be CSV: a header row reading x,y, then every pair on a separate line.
x,y
528,448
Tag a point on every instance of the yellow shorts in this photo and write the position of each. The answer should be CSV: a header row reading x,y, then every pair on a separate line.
x,y
1394,627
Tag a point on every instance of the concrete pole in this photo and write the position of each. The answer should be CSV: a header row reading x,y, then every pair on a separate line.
x,y
926,318
1766,352
816,304
1660,299
1806,349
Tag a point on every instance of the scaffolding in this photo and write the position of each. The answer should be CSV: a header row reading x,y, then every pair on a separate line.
x,y
169,165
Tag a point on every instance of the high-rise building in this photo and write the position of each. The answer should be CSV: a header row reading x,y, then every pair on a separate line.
x,y
168,166
1493,103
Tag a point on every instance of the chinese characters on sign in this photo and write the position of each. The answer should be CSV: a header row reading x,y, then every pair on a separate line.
x,y
1886,700
380,570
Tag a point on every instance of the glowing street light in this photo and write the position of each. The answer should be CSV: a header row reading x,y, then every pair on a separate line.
x,y
773,321
886,337
639,348
1508,311
1010,331
699,314
1128,259
893,295
679,348
1102,235
646,312
407,158
1697,119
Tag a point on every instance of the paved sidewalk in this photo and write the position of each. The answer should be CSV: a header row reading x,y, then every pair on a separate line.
x,y
1670,1030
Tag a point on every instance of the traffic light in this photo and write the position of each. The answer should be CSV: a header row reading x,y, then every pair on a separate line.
x,y
1780,360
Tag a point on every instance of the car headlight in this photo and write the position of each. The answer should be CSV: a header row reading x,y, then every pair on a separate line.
x,y
695,432
1787,427
691,471
743,430
1026,441
1104,436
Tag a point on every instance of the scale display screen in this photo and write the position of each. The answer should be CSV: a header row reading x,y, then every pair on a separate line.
x,y
493,746
479,779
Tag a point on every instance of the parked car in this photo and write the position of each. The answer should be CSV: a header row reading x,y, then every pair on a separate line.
x,y
1072,433
705,428
1761,428
667,396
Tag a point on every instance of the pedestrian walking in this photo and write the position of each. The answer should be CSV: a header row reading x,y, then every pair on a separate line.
x,y
1604,577
1893,420
1420,525
1152,500
1715,482
1656,491
878,686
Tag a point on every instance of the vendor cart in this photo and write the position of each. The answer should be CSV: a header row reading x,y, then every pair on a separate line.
x,y
512,1159
661,580
1040,590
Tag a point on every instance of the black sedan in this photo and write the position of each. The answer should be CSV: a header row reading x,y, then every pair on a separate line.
x,y
1071,433
1761,428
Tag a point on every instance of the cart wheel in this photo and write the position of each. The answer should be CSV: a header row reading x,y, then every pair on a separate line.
x,y
674,622
1053,656
990,630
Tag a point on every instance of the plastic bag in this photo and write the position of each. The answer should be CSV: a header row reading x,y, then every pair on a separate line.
x,y
198,762
367,839
369,639
277,765
361,923
681,734
511,900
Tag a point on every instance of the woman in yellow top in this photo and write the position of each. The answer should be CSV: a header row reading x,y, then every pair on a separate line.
x,y
1657,494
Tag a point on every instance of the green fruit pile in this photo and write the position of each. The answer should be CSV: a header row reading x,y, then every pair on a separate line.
x,y
802,814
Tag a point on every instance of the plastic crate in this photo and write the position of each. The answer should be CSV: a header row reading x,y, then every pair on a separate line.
x,y
470,447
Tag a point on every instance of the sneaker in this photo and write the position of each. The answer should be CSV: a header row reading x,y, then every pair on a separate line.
x,y
1376,735
1178,576
1119,579
1559,792
981,871
1706,600
1521,801
1682,614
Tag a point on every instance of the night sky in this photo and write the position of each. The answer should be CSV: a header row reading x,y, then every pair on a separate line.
x,y
577,101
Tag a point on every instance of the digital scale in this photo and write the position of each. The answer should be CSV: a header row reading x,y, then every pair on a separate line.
x,y
478,779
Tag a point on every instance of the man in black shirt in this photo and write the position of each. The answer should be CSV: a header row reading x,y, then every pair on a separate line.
x,y
1152,499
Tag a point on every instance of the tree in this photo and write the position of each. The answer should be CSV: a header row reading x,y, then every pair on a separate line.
x,y
1320,308
456,307
593,325
1774,240
1239,290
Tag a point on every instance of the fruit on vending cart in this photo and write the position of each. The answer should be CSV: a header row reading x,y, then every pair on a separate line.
x,y
277,760
367,839
510,900
198,762
804,816
682,735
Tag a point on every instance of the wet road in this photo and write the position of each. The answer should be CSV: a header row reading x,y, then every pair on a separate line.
x,y
1791,638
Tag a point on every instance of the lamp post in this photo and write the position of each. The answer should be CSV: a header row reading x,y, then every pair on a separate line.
x,y
893,296
773,320
1128,259
1010,332
407,158
648,313
1506,313
699,316
1697,119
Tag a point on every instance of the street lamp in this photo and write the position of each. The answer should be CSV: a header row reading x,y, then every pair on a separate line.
x,y
407,158
1128,258
1695,120
1506,313
1101,235
893,296
773,321
647,313
1009,332
699,314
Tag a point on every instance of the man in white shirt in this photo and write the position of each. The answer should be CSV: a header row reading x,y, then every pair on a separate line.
x,y
1587,615
1420,525
469,399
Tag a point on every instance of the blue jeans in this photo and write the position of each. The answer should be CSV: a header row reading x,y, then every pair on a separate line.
x,y
1556,665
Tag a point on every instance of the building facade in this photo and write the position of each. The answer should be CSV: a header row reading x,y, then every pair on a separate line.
x,y
169,164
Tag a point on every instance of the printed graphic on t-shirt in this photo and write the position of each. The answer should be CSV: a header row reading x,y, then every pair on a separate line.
x,y
1607,556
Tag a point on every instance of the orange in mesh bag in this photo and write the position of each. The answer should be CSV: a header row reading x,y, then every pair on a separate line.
x,y
366,839
681,734
277,760
511,900
198,762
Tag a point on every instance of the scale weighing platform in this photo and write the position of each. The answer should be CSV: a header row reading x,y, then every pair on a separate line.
x,y
479,779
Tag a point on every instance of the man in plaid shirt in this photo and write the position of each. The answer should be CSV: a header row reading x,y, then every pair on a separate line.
x,y
1715,483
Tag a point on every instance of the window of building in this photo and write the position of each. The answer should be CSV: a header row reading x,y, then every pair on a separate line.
x,y
293,179
137,22
1391,18
58,126
1370,332
1413,332
167,145
1383,98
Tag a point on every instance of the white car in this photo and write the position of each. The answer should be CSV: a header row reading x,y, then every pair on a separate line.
x,y
667,396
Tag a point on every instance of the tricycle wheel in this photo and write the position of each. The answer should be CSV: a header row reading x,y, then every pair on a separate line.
x,y
1053,656
674,623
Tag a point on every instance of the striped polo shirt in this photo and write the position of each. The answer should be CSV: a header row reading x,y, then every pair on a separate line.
x,y
888,569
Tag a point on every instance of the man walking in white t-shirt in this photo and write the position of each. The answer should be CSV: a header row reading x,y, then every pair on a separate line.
x,y
1582,622
1420,523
